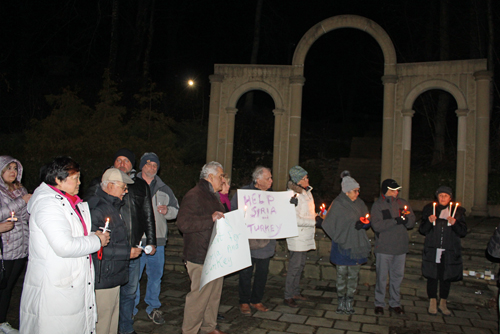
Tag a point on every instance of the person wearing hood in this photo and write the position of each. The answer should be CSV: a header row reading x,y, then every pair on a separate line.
x,y
443,224
14,232
299,245
392,217
58,292
111,262
346,223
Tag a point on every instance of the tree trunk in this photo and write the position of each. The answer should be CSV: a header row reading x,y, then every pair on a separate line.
x,y
113,45
145,65
255,51
444,98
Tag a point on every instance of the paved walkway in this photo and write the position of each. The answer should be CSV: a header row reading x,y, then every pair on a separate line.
x,y
318,314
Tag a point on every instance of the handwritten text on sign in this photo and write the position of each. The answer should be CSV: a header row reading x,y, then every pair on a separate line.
x,y
228,250
268,215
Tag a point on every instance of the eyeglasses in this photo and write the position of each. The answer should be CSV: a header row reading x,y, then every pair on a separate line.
x,y
124,187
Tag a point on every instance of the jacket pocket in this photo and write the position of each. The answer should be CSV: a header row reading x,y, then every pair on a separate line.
x,y
386,214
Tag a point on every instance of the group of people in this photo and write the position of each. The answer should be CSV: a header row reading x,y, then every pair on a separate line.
x,y
85,257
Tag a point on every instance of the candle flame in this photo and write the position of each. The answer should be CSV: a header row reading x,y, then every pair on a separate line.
x,y
245,208
367,215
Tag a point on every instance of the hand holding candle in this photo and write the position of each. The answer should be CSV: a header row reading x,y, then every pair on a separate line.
x,y
105,228
365,219
12,217
405,212
455,211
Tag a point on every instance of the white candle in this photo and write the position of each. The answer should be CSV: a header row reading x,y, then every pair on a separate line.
x,y
12,216
434,208
245,215
454,211
451,204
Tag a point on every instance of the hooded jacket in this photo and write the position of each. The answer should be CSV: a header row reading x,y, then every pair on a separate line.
x,y
15,242
306,220
58,291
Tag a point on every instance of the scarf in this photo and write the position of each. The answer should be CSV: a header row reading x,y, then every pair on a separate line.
x,y
339,225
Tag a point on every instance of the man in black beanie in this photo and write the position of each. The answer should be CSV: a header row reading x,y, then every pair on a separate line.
x,y
138,214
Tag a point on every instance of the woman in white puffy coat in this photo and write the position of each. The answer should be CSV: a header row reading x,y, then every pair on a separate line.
x,y
58,291
299,245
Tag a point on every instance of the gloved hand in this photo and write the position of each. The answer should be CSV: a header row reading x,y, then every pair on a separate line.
x,y
359,225
319,221
400,221
294,200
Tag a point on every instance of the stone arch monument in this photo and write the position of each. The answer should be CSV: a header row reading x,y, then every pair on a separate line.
x,y
466,80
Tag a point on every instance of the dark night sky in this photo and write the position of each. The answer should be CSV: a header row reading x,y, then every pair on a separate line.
x,y
50,44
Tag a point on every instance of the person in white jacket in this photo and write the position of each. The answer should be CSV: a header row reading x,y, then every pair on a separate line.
x,y
58,291
299,245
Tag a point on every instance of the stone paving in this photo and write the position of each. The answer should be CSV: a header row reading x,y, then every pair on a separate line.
x,y
317,315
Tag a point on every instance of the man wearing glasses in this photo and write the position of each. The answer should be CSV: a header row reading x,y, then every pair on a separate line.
x,y
111,262
391,218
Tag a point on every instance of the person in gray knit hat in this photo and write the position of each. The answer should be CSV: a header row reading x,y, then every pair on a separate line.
x,y
346,223
299,245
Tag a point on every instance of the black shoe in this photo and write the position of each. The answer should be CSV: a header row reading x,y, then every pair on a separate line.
x,y
290,302
379,310
398,310
220,317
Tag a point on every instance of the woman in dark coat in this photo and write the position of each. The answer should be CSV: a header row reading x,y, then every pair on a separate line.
x,y
442,225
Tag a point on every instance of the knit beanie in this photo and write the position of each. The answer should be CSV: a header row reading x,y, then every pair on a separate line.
x,y
123,152
149,157
444,189
297,173
348,183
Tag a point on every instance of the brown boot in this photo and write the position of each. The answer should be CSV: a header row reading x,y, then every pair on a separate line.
x,y
432,306
443,309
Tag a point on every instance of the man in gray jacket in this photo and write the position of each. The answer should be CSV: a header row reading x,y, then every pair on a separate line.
x,y
391,217
165,207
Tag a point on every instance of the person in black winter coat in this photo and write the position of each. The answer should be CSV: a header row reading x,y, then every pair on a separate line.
x,y
443,224
112,261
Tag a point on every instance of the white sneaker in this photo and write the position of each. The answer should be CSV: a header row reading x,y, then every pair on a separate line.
x,y
6,328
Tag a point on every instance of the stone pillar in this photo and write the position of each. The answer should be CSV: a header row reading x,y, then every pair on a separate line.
x,y
296,83
213,116
389,82
483,80
407,122
277,162
461,153
228,159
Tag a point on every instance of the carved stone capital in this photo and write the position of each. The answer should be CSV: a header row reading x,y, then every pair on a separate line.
x,y
231,110
462,112
483,75
297,80
216,78
386,79
278,112
408,112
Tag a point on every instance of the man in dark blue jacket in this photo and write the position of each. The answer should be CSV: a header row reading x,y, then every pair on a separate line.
x,y
111,262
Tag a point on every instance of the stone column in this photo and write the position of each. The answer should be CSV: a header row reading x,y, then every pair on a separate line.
x,y
461,152
277,159
389,82
228,159
407,122
296,83
213,117
483,80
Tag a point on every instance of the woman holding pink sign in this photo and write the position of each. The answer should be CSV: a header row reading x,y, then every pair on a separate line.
x,y
14,241
443,224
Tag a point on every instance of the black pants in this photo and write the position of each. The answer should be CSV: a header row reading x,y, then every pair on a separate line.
x,y
444,286
13,269
249,294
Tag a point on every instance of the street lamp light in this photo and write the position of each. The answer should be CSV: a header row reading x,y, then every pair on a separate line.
x,y
192,84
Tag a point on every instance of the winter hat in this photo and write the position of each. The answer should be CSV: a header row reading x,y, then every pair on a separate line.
x,y
123,152
389,184
114,174
149,157
444,189
348,183
297,173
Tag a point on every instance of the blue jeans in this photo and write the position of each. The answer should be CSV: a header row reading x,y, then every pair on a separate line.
x,y
154,269
127,297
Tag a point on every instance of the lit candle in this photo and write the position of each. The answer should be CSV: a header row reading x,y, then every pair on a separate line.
x,y
245,212
105,228
434,208
12,216
404,213
454,211
451,204
367,216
